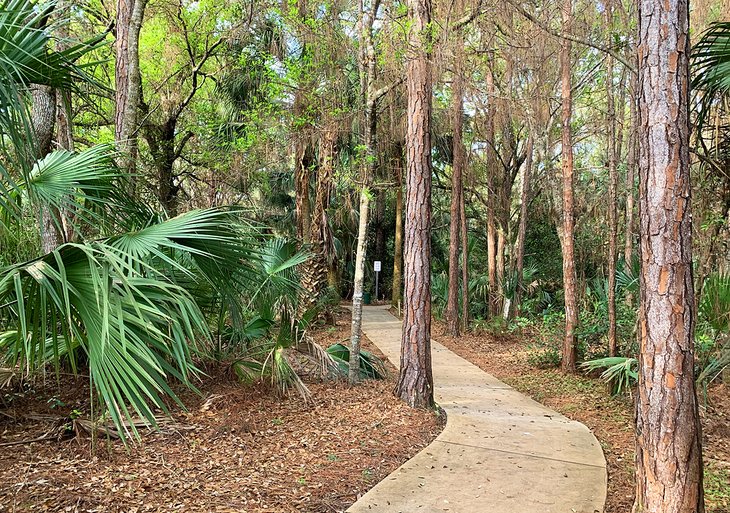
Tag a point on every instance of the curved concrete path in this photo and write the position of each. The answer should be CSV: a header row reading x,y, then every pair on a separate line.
x,y
500,451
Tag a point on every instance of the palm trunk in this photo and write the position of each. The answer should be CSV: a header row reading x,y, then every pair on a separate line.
x,y
302,178
415,382
568,238
669,447
303,151
314,276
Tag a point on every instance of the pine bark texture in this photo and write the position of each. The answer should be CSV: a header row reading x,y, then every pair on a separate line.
x,y
668,450
415,382
128,79
568,239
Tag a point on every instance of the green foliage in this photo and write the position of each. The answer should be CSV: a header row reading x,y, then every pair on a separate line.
x,y
371,367
711,67
714,306
717,491
620,372
546,350
439,294
130,304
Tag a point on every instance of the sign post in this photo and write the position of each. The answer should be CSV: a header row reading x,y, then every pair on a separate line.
x,y
376,266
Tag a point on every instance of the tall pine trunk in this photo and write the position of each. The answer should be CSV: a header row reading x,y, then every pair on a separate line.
x,y
415,382
128,81
568,239
668,448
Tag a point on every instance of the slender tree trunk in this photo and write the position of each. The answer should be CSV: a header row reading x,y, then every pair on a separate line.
x,y
457,190
491,199
464,263
64,124
568,239
612,192
357,296
397,287
64,127
631,176
522,230
668,449
501,243
367,74
43,118
415,382
379,253
128,81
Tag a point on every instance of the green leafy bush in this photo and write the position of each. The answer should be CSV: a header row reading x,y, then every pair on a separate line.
x,y
620,372
371,367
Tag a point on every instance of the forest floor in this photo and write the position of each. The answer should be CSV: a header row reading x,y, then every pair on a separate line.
x,y
236,449
587,400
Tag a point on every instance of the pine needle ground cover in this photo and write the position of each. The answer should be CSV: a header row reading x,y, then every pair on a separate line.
x,y
236,449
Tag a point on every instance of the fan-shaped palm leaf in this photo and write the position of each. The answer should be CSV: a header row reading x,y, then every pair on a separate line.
x,y
116,301
711,67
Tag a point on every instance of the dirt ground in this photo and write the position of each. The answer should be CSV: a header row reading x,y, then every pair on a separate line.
x,y
236,449
611,419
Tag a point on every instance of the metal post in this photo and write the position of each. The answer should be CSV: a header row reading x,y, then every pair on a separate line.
x,y
377,274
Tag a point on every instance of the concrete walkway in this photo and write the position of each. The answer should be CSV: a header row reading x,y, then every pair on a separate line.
x,y
500,451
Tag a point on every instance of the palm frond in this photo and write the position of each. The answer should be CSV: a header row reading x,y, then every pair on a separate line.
x,y
710,60
118,302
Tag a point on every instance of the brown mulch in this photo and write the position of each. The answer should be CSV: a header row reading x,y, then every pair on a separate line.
x,y
588,400
236,449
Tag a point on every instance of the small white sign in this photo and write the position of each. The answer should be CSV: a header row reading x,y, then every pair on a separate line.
x,y
376,266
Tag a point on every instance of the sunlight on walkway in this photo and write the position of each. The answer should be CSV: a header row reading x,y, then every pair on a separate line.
x,y
500,451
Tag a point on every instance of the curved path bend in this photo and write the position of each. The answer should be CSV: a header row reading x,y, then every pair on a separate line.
x,y
500,451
